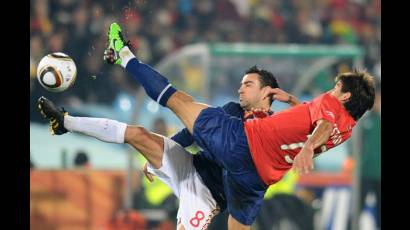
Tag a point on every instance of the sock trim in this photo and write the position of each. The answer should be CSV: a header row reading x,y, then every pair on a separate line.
x,y
67,122
121,132
126,55
163,92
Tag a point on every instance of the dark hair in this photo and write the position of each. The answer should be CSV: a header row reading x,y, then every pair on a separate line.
x,y
362,88
81,158
265,77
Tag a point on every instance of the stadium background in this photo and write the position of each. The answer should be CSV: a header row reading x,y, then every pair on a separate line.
x,y
66,193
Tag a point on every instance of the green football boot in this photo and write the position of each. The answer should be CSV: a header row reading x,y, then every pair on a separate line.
x,y
115,43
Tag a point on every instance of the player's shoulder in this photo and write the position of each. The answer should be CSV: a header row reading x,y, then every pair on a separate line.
x,y
326,97
232,106
329,96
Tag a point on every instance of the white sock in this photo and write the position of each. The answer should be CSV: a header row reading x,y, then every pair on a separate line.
x,y
126,55
101,128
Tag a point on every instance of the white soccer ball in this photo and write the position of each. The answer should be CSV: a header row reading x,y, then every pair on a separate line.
x,y
56,72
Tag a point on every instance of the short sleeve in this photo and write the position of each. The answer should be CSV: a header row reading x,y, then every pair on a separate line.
x,y
324,107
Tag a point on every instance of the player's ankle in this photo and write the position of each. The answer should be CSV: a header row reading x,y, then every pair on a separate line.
x,y
126,55
68,120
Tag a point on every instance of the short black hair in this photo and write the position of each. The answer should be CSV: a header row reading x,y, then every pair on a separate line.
x,y
81,158
361,85
266,78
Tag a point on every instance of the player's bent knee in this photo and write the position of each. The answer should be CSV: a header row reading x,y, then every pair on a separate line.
x,y
149,145
136,135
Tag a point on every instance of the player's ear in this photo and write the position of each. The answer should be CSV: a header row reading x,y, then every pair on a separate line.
x,y
346,96
266,93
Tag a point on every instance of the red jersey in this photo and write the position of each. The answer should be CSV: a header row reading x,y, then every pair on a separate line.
x,y
275,140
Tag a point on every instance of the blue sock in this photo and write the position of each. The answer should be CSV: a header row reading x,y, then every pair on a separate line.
x,y
157,86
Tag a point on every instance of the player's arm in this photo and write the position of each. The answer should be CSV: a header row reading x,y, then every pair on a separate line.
x,y
283,96
303,162
292,100
147,174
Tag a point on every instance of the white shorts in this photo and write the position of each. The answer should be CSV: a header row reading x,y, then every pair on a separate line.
x,y
196,205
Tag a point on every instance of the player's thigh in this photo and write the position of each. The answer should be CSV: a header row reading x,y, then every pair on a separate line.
x,y
196,204
184,106
223,137
235,225
176,165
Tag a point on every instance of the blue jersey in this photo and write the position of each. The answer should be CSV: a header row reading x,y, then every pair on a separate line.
x,y
211,173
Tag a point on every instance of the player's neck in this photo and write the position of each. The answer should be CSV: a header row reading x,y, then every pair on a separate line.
x,y
248,111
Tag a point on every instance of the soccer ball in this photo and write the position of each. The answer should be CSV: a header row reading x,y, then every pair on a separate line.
x,y
56,72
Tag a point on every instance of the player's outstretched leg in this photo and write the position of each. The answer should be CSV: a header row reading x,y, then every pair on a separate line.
x,y
157,86
101,128
118,52
107,130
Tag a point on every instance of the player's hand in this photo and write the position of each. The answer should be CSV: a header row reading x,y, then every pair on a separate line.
x,y
260,113
147,174
303,162
280,95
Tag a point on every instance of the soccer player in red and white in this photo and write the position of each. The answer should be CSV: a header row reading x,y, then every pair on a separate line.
x,y
279,142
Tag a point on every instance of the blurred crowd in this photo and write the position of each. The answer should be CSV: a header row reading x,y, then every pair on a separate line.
x,y
157,28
